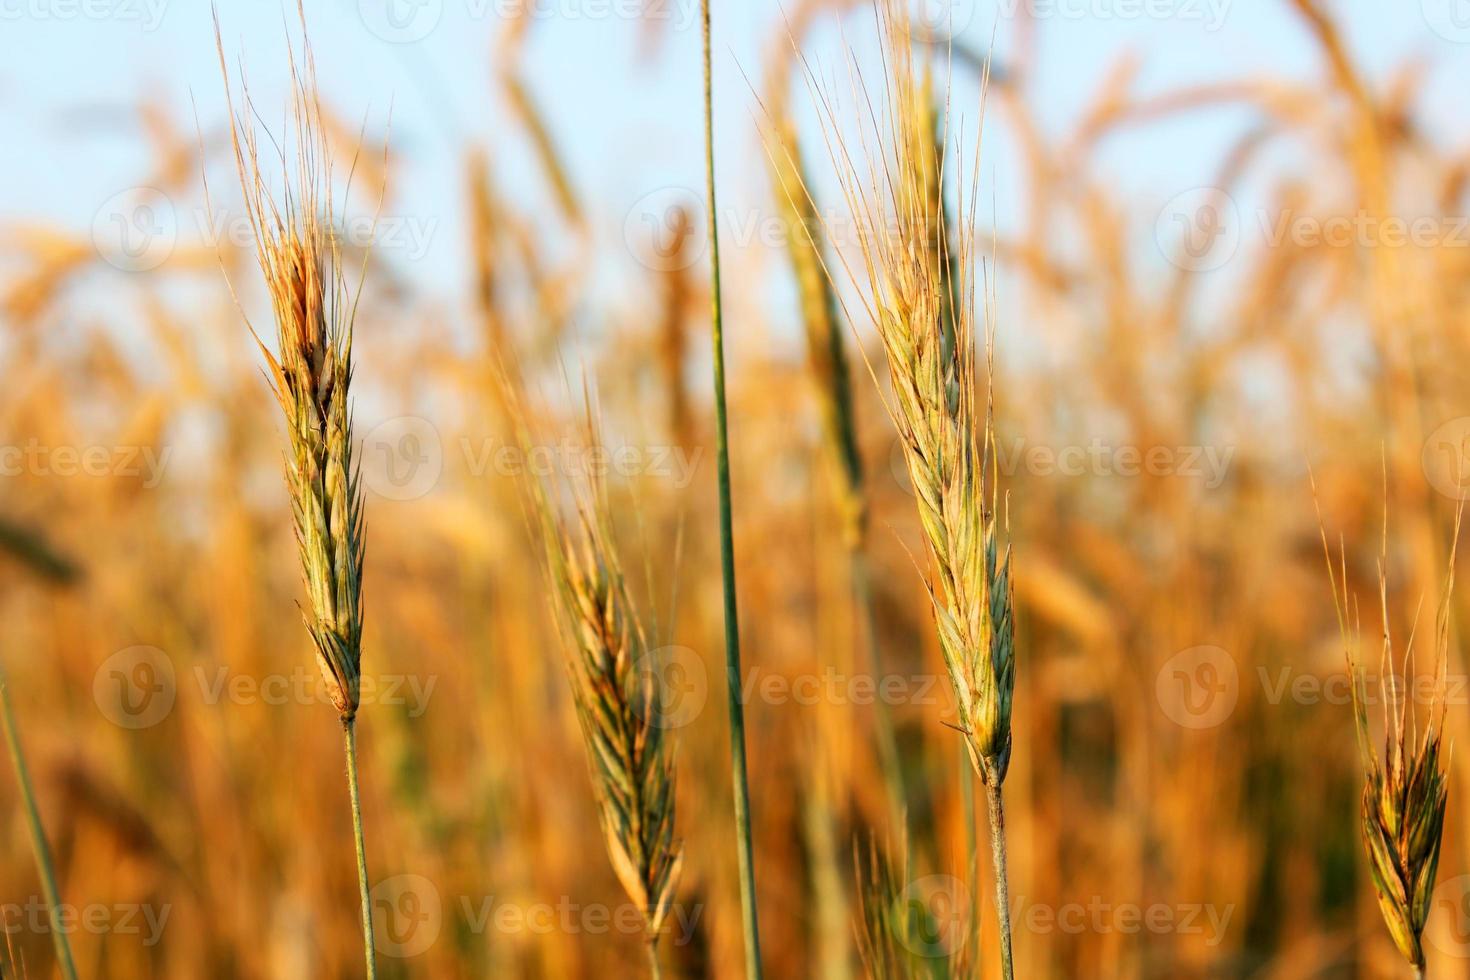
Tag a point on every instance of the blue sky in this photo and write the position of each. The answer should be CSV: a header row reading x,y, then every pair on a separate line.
x,y
71,69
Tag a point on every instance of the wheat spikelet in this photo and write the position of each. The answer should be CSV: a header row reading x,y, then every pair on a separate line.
x,y
918,289
917,286
1405,791
300,259
610,665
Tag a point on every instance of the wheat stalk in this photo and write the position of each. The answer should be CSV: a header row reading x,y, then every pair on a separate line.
x,y
614,681
1404,792
300,258
917,286
745,852
44,869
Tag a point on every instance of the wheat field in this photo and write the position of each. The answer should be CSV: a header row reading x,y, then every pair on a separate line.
x,y
1058,339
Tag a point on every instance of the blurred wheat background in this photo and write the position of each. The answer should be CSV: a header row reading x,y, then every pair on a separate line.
x,y
1227,241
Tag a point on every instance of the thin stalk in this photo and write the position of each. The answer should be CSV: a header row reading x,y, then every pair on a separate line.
x,y
38,833
653,969
883,719
1420,973
349,734
972,847
727,542
1002,885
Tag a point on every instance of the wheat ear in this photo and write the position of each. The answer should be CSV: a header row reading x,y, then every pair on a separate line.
x,y
1404,792
614,681
918,288
300,258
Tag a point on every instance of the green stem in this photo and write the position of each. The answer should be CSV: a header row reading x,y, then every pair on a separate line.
x,y
883,718
972,848
38,833
1002,886
349,734
727,543
653,969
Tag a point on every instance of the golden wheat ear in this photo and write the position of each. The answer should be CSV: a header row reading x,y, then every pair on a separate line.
x,y
615,680
1405,791
915,271
311,376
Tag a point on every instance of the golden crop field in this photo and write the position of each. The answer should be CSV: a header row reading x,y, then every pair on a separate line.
x,y
1021,542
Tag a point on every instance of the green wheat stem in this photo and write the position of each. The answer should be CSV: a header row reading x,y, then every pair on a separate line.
x,y
972,846
1002,885
888,759
727,541
38,833
349,735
